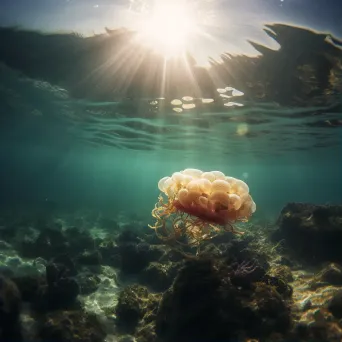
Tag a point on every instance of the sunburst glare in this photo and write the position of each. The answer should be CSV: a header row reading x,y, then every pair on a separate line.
x,y
169,27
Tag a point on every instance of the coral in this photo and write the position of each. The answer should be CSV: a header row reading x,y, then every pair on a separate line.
x,y
244,273
146,333
135,304
272,309
196,205
281,271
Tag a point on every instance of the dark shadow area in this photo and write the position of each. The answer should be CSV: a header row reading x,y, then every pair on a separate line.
x,y
305,70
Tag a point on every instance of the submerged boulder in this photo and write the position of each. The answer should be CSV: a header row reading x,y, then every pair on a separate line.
x,y
335,305
61,288
313,232
135,309
158,276
66,326
332,274
10,306
204,305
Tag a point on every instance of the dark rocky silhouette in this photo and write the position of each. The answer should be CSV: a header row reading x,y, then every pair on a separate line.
x,y
305,71
311,232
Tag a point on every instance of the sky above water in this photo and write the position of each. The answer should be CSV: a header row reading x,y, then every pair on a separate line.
x,y
229,24
93,15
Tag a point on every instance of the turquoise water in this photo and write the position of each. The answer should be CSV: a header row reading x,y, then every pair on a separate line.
x,y
83,132
97,110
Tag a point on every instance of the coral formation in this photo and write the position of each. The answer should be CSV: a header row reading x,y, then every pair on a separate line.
x,y
196,206
235,290
135,304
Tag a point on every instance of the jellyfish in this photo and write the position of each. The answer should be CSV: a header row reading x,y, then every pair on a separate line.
x,y
195,206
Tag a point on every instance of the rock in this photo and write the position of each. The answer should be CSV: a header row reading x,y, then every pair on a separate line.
x,y
110,252
332,274
126,338
79,240
305,304
135,257
4,246
93,258
10,306
88,283
147,333
46,244
301,330
159,277
318,316
135,305
63,264
29,285
244,274
335,305
61,289
318,331
66,326
127,236
312,232
203,305
285,261
108,224
171,255
281,271
60,295
14,261
280,285
6,271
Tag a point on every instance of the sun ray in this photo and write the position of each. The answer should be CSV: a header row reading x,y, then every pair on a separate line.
x,y
169,27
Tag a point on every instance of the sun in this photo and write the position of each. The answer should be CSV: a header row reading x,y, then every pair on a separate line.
x,y
169,27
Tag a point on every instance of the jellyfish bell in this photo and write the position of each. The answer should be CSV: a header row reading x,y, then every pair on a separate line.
x,y
209,201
